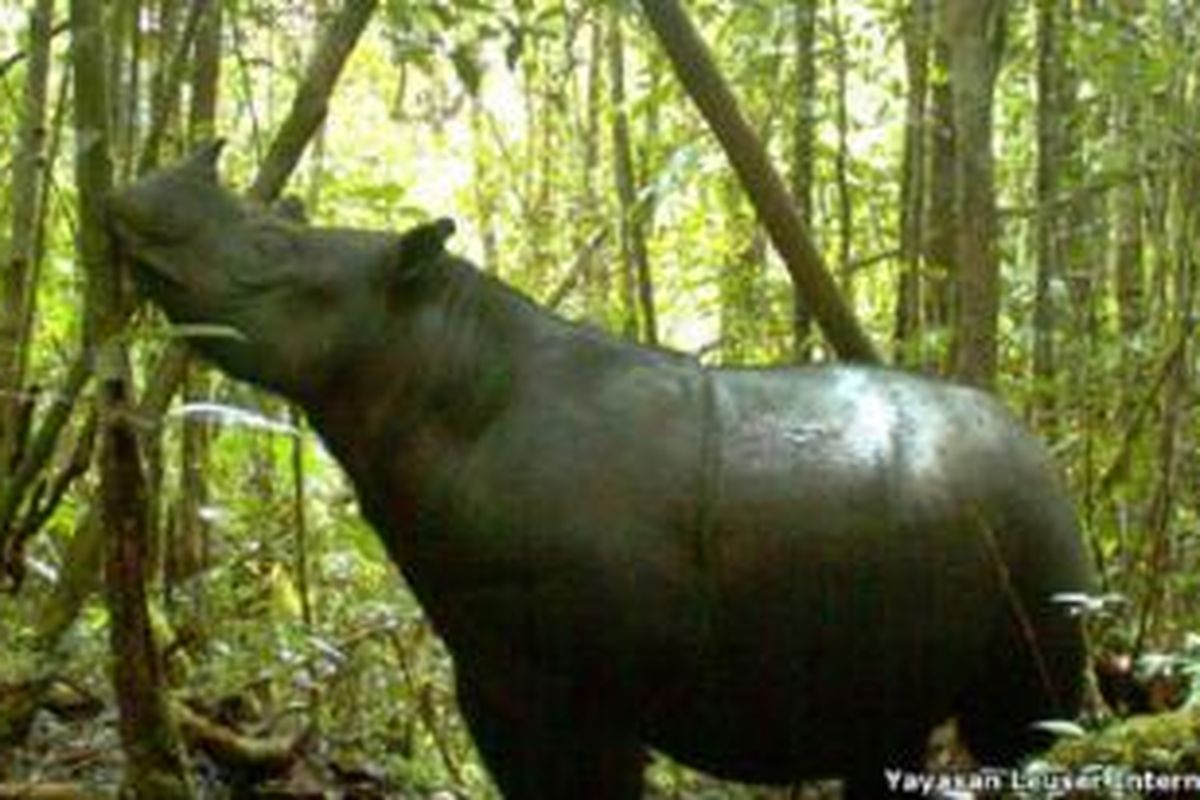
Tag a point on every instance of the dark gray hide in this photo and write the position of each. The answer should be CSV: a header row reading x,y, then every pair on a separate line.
x,y
768,574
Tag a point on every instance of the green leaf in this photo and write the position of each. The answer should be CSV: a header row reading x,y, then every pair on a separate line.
x,y
232,415
202,330
466,66
1061,728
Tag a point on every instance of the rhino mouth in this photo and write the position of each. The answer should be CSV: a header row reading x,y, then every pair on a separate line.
x,y
177,299
153,279
155,282
132,249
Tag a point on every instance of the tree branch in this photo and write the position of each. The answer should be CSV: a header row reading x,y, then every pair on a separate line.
x,y
311,103
695,69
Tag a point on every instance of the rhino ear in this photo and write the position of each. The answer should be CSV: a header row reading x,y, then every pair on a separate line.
x,y
414,254
290,208
202,163
426,241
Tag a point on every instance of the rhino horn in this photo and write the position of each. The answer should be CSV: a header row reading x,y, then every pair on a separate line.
x,y
203,160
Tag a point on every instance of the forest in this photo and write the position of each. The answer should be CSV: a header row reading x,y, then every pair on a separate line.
x,y
996,193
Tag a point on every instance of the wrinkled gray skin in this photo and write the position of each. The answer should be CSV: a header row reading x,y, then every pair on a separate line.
x,y
768,574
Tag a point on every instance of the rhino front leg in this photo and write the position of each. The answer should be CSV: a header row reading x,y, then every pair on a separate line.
x,y
543,746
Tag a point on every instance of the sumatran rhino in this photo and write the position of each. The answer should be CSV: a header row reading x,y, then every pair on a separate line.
x,y
768,574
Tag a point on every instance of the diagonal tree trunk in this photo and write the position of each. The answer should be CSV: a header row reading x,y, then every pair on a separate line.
x,y
308,110
695,69
311,102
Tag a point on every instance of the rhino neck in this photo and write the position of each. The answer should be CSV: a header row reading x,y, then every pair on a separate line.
x,y
401,416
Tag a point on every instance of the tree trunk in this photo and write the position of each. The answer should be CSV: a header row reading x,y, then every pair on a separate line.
x,y
1054,113
28,189
168,84
804,143
974,34
154,763
650,153
484,189
1173,439
188,543
166,34
1175,459
311,102
32,465
189,548
206,76
639,290
124,81
1129,251
939,297
695,69
841,166
908,333
740,277
84,557
590,202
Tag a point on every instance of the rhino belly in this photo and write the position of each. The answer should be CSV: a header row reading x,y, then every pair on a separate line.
x,y
840,635
783,696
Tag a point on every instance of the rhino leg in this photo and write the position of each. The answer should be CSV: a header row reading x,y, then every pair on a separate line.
x,y
540,748
998,715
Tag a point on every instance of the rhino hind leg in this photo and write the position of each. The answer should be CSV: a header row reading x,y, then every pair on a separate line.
x,y
1035,674
536,749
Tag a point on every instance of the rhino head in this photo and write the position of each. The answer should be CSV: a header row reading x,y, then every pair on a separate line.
x,y
265,297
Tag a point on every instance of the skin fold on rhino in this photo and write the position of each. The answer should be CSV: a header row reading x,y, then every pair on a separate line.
x,y
768,574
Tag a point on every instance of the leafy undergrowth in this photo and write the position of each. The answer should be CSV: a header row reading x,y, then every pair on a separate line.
x,y
358,703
